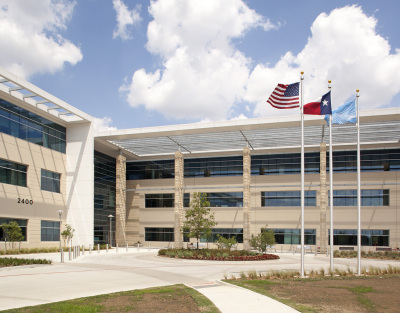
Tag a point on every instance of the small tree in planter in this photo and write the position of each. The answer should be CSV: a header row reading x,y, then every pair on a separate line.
x,y
260,242
227,243
12,233
67,234
199,219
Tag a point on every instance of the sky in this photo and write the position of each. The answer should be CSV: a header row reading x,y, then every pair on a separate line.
x,y
132,63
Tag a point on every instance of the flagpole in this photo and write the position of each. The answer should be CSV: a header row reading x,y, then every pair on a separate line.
x,y
302,173
331,182
358,187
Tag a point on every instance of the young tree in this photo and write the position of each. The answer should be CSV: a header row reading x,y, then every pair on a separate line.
x,y
12,233
227,243
260,242
67,234
199,219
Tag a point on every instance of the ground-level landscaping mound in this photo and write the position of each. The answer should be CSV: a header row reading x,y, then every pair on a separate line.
x,y
216,255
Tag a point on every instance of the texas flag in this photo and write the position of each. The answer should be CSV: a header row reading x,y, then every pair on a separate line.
x,y
320,106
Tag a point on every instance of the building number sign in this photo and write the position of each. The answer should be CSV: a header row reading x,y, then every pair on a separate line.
x,y
25,201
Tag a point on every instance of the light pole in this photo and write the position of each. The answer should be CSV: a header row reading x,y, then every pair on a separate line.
x,y
60,212
110,217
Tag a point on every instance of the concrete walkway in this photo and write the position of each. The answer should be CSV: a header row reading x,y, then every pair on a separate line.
x,y
101,273
231,298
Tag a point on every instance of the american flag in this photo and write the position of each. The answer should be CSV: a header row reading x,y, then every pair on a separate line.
x,y
285,96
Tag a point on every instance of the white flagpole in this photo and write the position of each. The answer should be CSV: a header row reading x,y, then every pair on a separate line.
x,y
302,173
331,182
358,187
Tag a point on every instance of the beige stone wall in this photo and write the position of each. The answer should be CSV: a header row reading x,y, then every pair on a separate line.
x,y
45,204
275,217
120,201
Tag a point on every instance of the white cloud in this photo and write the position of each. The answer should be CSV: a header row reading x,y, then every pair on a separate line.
x,y
343,47
125,18
203,75
30,41
102,124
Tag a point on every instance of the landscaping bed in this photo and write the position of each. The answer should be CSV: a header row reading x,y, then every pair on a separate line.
x,y
216,255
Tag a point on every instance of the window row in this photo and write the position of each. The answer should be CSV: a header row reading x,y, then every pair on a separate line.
x,y
216,199
289,236
271,164
166,234
49,230
369,197
23,124
16,174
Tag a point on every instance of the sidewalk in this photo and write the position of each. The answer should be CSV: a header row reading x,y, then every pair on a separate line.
x,y
230,299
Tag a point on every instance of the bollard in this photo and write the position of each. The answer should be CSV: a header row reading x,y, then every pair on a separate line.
x,y
5,245
83,249
73,252
138,244
116,248
90,249
107,248
98,248
126,247
62,255
69,254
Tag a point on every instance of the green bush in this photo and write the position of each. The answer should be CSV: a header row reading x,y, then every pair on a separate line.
x,y
162,252
5,262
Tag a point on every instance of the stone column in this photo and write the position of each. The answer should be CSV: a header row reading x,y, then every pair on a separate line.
x,y
120,201
178,210
322,240
246,197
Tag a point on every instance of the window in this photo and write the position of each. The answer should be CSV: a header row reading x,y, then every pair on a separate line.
x,y
23,224
369,237
150,169
227,233
280,164
225,199
159,200
159,234
23,124
210,167
293,236
288,198
50,181
13,173
369,197
371,160
50,231
165,200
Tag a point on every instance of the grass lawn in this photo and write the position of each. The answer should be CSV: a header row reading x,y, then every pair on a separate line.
x,y
169,299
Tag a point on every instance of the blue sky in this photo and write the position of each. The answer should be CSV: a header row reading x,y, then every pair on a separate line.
x,y
140,63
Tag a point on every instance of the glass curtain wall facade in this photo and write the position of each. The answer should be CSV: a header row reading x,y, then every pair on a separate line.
x,y
271,164
23,124
104,196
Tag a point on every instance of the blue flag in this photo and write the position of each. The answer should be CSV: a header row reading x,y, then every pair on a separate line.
x,y
346,113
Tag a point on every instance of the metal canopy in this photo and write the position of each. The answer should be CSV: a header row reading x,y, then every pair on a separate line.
x,y
31,95
213,140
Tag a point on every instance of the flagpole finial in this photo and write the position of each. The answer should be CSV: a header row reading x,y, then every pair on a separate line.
x,y
329,81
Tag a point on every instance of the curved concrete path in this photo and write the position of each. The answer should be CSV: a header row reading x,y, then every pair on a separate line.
x,y
101,273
